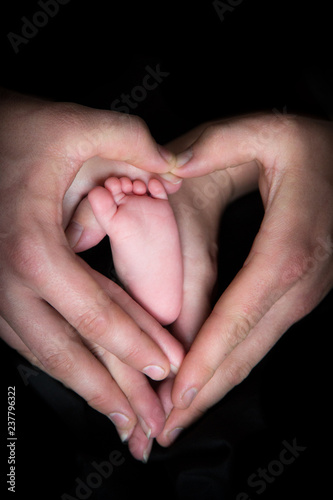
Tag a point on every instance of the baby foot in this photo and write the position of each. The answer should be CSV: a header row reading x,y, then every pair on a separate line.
x,y
144,242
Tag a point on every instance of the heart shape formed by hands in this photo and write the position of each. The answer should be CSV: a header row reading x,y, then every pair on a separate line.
x,y
79,331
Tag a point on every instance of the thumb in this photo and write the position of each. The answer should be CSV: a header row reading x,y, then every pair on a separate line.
x,y
229,143
266,276
84,232
118,136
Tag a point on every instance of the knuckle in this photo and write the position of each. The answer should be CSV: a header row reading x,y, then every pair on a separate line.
x,y
140,133
133,123
60,363
130,354
234,373
137,123
236,332
24,259
93,324
100,401
206,370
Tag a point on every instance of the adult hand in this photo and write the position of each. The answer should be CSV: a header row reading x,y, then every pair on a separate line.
x,y
143,399
52,308
198,226
290,266
198,207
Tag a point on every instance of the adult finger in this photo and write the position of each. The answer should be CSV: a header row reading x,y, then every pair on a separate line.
x,y
84,232
114,136
140,394
91,234
143,400
273,266
139,445
169,345
58,349
238,365
60,279
8,335
229,143
266,276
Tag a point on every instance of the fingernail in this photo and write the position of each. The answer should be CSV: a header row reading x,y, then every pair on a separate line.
x,y
182,158
189,395
73,233
145,427
166,154
169,177
174,369
172,435
147,451
155,372
119,419
124,435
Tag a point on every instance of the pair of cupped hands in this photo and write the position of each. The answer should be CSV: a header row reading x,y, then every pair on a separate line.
x,y
83,329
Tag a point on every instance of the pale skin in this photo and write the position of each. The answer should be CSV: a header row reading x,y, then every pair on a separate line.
x,y
290,209
55,310
144,242
146,252
289,269
198,225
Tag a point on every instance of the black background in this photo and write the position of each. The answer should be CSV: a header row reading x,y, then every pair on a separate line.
x,y
262,56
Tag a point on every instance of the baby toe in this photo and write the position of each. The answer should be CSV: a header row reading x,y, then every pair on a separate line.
x,y
157,189
139,187
113,185
126,185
